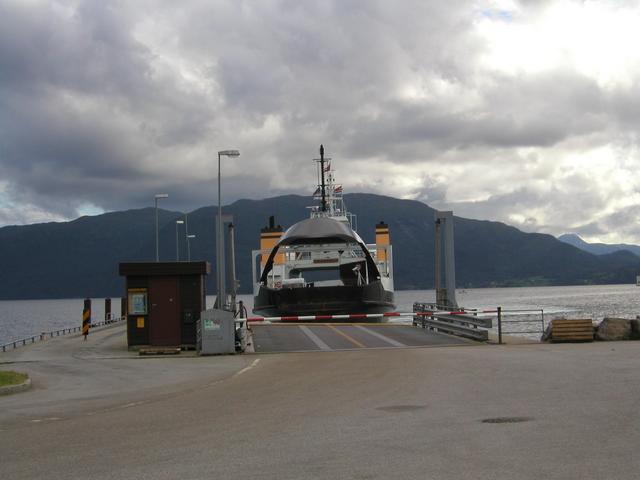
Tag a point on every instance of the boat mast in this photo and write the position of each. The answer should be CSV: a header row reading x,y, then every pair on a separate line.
x,y
324,198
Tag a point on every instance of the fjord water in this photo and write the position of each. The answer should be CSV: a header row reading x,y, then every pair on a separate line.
x,y
23,318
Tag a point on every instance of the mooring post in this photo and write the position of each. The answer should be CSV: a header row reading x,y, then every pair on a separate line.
x,y
499,325
86,317
107,310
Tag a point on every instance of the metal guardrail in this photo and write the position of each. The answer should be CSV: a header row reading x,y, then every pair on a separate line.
x,y
56,333
466,324
501,312
452,328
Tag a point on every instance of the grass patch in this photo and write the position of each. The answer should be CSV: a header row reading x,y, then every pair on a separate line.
x,y
11,378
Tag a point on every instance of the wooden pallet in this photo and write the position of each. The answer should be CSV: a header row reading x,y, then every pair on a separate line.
x,y
575,330
159,351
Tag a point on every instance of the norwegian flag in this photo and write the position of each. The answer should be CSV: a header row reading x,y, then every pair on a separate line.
x,y
338,189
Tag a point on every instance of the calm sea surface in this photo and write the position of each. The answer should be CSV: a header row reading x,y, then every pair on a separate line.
x,y
23,318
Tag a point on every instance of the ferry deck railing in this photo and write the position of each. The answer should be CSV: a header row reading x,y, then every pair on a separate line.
x,y
112,318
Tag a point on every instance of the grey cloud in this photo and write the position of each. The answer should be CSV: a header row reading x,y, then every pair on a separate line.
x,y
83,113
565,204
90,52
589,229
538,111
136,97
623,223
432,193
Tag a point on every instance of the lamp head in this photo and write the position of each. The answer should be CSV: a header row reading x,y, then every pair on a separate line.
x,y
180,222
229,153
162,195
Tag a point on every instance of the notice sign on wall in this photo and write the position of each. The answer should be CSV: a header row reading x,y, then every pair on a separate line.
x,y
137,301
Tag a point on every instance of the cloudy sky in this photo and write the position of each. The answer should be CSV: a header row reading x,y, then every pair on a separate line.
x,y
523,112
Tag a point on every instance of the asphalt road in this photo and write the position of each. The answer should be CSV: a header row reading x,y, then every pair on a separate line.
x,y
556,412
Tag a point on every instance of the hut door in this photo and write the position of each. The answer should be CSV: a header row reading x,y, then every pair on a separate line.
x,y
164,318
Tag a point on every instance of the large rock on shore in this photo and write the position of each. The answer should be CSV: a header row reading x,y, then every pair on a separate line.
x,y
614,329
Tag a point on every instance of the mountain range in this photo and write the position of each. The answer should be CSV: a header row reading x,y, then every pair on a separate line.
x,y
80,258
598,248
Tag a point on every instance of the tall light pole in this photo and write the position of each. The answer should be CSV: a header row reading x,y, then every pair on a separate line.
x,y
157,197
186,235
219,236
188,249
178,222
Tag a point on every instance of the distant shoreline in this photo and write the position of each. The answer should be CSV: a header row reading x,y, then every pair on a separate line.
x,y
524,285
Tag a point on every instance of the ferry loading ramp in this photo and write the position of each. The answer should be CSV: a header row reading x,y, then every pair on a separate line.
x,y
309,337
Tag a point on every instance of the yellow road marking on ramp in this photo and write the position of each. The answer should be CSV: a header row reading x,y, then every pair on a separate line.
x,y
352,340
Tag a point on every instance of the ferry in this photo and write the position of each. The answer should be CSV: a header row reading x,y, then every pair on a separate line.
x,y
320,265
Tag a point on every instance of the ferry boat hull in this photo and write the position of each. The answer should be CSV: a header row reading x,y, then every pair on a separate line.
x,y
331,300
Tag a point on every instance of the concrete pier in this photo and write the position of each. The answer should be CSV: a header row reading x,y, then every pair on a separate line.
x,y
561,411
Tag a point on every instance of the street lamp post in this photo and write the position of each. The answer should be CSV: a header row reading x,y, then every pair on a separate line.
x,y
221,270
157,197
188,249
186,235
178,222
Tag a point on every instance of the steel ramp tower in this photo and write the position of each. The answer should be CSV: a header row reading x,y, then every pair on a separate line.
x,y
445,295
